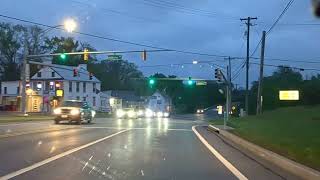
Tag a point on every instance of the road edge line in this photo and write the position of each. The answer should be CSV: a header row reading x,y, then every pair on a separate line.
x,y
225,162
58,156
278,160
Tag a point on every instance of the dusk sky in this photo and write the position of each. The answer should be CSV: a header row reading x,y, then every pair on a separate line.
x,y
203,26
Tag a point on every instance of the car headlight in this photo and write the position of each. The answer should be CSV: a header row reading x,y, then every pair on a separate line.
x,y
166,114
93,113
201,111
131,114
57,111
198,111
149,113
74,112
140,113
159,114
120,113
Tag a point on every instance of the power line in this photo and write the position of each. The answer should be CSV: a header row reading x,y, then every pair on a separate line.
x,y
179,8
114,39
274,24
293,67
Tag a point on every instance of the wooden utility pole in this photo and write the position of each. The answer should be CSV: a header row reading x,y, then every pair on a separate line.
x,y
248,19
259,98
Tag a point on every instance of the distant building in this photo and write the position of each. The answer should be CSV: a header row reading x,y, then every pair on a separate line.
x,y
51,85
159,102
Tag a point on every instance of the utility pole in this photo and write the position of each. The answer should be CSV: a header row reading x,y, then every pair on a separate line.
x,y
24,78
248,19
259,98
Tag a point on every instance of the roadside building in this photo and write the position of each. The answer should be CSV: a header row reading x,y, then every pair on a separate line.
x,y
50,86
159,102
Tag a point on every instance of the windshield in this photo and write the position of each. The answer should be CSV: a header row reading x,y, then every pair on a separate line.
x,y
160,89
72,104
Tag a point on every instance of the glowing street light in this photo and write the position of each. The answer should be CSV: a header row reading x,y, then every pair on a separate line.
x,y
70,25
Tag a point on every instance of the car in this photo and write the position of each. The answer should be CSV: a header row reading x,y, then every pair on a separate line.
x,y
74,111
200,111
127,113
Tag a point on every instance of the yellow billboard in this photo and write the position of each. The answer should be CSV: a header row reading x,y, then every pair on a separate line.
x,y
289,95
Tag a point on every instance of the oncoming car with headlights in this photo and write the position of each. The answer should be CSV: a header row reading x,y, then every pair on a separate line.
x,y
74,111
127,113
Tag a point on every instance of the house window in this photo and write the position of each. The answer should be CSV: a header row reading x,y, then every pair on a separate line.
x,y
18,90
53,74
93,101
94,87
70,86
5,90
38,74
77,86
84,87
78,98
84,99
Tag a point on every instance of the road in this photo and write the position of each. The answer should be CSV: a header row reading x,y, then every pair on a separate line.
x,y
124,149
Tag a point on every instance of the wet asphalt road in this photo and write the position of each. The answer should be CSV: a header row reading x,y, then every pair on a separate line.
x,y
127,149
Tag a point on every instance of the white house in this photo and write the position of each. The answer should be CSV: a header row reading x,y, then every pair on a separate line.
x,y
159,102
51,85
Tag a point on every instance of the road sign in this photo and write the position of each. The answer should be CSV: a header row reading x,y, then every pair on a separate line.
x,y
59,93
291,95
114,57
201,83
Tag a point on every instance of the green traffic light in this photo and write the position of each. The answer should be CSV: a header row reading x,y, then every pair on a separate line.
x,y
152,81
190,82
63,56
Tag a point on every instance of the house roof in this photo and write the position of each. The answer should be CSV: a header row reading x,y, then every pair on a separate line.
x,y
66,73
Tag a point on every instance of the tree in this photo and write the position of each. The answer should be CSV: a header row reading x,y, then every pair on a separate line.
x,y
283,78
67,45
10,51
119,74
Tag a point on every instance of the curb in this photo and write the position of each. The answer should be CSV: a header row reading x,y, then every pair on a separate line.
x,y
278,160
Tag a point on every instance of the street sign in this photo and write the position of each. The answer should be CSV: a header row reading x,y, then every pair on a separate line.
x,y
59,93
114,57
290,95
201,83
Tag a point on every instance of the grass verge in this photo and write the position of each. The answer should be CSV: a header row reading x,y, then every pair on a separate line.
x,y
293,132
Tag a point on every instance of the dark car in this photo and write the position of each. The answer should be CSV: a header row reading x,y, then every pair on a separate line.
x,y
74,111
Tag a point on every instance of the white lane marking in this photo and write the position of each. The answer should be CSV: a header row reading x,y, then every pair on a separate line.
x,y
46,161
226,163
100,127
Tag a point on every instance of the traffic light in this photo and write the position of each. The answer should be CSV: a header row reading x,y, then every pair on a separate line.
x,y
86,55
152,81
90,75
144,55
75,72
218,75
63,56
190,82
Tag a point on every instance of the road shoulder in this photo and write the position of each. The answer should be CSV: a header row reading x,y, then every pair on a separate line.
x,y
251,166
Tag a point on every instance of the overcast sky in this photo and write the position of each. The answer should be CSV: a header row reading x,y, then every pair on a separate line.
x,y
206,26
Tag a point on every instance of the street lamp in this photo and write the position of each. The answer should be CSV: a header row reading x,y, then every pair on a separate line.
x,y
70,25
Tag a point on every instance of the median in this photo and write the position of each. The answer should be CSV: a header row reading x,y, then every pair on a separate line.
x,y
291,132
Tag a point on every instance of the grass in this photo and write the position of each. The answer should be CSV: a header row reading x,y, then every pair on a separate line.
x,y
293,132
